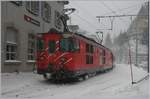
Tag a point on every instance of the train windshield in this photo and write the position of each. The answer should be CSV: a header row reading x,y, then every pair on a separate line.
x,y
40,44
68,44
52,46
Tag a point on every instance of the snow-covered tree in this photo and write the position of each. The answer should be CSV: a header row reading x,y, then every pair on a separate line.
x,y
108,41
121,48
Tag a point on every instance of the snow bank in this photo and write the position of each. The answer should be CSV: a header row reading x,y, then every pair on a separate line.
x,y
113,84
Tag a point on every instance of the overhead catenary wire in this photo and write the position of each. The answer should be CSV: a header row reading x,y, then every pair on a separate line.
x,y
89,13
114,12
123,9
119,16
123,15
111,19
93,25
83,19
111,10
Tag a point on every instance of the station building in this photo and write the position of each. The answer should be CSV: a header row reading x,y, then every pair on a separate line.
x,y
20,21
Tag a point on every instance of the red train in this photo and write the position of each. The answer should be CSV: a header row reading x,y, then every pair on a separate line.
x,y
70,55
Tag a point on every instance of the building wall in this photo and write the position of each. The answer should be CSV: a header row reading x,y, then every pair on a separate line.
x,y
12,16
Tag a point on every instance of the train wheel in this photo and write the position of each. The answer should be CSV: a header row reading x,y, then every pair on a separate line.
x,y
45,77
93,74
106,70
85,77
80,79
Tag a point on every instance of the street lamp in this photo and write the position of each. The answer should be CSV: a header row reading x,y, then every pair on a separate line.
x,y
69,9
65,17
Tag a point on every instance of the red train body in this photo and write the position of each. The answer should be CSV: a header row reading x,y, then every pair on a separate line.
x,y
68,55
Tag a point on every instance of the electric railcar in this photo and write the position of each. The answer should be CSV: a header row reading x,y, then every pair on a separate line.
x,y
70,55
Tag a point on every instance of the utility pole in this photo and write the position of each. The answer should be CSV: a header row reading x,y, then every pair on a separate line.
x,y
148,39
130,62
136,50
137,54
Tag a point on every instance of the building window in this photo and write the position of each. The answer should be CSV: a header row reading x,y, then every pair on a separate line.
x,y
31,46
46,12
63,2
11,44
33,7
11,51
57,20
18,3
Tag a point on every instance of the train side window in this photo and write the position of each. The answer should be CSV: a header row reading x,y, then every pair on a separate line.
x,y
76,44
103,62
89,59
91,49
51,46
87,48
64,45
103,56
104,53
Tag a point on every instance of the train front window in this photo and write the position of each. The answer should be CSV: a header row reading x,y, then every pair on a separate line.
x,y
52,46
64,45
76,44
40,44
69,44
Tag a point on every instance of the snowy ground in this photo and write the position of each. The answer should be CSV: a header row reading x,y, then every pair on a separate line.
x,y
116,83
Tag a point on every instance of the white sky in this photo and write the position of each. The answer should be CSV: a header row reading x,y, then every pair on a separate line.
x,y
86,12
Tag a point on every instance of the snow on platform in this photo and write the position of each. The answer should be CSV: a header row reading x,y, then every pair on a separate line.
x,y
115,83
